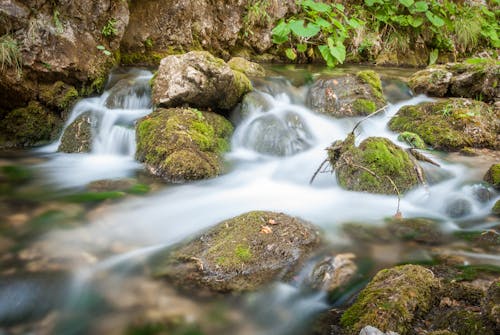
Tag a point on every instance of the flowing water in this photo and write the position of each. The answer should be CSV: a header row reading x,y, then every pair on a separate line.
x,y
277,146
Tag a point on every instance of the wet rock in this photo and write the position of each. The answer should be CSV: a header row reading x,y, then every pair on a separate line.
x,y
348,95
371,166
276,136
451,124
253,101
241,254
120,93
491,304
420,230
250,69
200,80
459,80
457,208
482,193
412,139
333,272
181,144
392,300
396,90
77,137
109,185
492,176
462,322
496,208
369,330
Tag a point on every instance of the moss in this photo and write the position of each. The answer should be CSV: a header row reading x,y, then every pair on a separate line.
x,y
248,68
496,208
15,173
364,106
151,58
416,229
463,322
451,124
412,139
138,189
59,95
184,165
493,176
93,196
242,85
373,80
392,300
471,272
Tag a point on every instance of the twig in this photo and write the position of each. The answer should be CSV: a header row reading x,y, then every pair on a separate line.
x,y
361,167
397,192
367,117
421,157
317,171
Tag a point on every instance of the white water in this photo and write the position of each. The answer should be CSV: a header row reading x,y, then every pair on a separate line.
x,y
256,181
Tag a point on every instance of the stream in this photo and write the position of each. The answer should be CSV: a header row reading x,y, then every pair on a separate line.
x,y
71,267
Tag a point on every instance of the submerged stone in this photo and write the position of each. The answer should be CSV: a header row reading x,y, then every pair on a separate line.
x,y
120,94
182,144
451,124
241,254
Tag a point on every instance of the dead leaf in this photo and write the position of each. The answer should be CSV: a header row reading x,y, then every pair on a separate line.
x,y
266,230
272,222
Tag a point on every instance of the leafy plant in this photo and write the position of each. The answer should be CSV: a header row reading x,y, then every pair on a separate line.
x,y
57,21
256,15
10,55
104,50
109,30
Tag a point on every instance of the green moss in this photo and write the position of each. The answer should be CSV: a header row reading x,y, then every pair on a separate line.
x,y
373,80
151,58
463,322
493,176
138,189
93,196
364,106
59,95
471,272
248,68
15,173
496,208
412,139
392,300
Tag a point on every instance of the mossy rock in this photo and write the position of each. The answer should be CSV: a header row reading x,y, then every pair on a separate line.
x,y
77,137
412,139
59,95
241,254
32,125
452,124
392,300
182,144
420,230
491,304
250,69
492,176
496,208
462,322
347,95
374,166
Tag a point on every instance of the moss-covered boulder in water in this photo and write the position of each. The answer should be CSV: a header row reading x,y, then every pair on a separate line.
x,y
250,69
392,300
412,139
451,124
347,95
199,80
77,137
181,144
59,96
373,166
476,79
28,126
241,254
492,176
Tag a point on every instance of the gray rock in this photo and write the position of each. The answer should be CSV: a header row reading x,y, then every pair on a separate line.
x,y
77,137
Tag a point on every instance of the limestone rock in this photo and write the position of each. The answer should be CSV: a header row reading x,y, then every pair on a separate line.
x,y
77,137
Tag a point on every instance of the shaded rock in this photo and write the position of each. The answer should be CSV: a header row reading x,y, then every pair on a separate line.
x,y
392,300
496,208
457,208
246,67
491,304
348,95
58,96
181,144
333,272
459,80
77,137
277,136
200,80
371,166
396,90
492,176
253,101
462,322
121,93
416,229
241,254
369,330
451,124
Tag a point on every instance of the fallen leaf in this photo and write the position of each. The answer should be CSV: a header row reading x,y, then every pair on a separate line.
x,y
266,230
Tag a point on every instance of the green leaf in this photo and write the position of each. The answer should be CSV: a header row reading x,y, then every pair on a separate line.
x,y
301,47
316,6
290,53
433,56
322,23
337,50
487,12
406,3
299,29
415,21
280,33
370,3
101,47
421,7
340,7
107,52
327,56
434,19
355,23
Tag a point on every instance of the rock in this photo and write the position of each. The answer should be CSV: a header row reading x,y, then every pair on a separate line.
x,y
120,93
492,176
496,208
109,185
246,67
420,230
199,80
491,304
412,139
77,137
462,322
348,95
33,125
371,166
369,330
241,254
333,272
252,102
392,300
277,136
58,96
451,124
458,207
396,90
181,144
459,80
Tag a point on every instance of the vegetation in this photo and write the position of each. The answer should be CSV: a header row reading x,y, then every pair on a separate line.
x,y
329,30
10,55
109,30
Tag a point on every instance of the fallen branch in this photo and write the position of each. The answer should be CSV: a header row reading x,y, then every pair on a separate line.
x,y
421,157
398,214
317,171
367,117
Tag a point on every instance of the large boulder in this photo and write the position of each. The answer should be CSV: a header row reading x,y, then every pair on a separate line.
x,y
250,69
392,300
241,254
347,95
492,176
373,166
77,136
198,79
451,124
480,80
181,144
